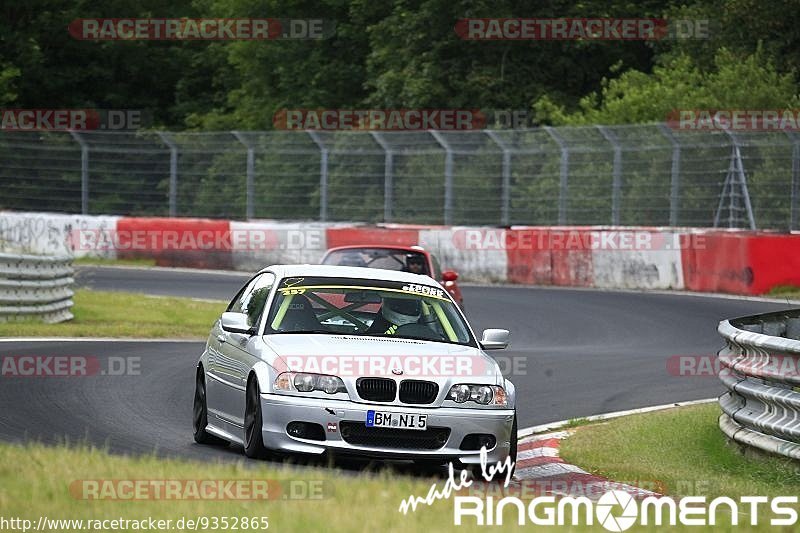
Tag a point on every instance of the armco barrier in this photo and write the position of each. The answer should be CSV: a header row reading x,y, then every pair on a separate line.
x,y
727,261
760,368
35,286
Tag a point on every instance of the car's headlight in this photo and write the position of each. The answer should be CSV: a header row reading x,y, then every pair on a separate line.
x,y
302,382
481,394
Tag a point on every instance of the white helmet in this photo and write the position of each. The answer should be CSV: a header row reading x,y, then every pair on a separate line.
x,y
400,311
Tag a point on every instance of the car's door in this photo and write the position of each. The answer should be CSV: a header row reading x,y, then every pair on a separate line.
x,y
232,361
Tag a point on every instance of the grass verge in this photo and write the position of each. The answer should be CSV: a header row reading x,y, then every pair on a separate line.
x,y
682,450
38,480
101,261
119,314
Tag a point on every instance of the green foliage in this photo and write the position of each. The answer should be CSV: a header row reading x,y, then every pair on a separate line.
x,y
733,82
400,54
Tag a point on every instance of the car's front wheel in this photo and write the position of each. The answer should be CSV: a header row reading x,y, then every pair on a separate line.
x,y
253,422
200,412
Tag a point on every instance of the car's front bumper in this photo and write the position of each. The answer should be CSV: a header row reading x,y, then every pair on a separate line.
x,y
279,410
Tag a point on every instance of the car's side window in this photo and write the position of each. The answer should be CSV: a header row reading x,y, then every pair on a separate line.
x,y
252,297
437,270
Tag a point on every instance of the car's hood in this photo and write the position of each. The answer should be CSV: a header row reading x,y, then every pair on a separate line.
x,y
354,357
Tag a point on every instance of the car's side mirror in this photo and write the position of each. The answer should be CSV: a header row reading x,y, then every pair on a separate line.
x,y
495,339
236,323
449,275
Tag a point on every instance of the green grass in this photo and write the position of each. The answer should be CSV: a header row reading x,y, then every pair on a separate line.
x,y
576,422
684,450
790,292
100,261
35,481
119,314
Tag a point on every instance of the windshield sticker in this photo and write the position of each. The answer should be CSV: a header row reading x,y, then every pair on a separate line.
x,y
424,289
288,292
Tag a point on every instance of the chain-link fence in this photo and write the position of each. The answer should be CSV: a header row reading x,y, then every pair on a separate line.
x,y
628,175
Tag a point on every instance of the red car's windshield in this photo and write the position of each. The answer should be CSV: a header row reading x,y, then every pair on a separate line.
x,y
386,258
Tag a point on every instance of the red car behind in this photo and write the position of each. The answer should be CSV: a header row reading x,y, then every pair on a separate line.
x,y
406,258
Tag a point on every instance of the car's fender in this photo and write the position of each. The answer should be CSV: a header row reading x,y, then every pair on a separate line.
x,y
265,376
511,393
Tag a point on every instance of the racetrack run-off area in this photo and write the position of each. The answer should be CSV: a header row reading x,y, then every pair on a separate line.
x,y
573,353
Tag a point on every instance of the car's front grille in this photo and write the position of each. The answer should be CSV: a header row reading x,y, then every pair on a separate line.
x,y
358,434
418,392
377,389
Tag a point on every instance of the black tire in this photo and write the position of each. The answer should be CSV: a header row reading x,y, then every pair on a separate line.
x,y
200,413
253,422
512,451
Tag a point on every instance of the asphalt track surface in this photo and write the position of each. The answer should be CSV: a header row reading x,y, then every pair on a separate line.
x,y
574,353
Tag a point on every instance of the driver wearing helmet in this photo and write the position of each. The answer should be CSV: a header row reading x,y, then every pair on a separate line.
x,y
415,264
395,312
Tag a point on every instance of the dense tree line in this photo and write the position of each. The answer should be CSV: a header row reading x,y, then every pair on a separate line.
x,y
399,54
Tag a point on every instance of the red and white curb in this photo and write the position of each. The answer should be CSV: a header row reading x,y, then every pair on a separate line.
x,y
542,472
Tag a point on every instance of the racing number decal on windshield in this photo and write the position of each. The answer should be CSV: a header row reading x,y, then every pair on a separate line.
x,y
290,292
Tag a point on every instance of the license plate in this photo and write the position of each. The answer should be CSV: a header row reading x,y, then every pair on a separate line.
x,y
378,419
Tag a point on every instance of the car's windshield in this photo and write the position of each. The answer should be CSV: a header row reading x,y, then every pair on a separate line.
x,y
366,307
386,258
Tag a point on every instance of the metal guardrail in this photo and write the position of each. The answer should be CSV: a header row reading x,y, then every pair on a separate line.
x,y
35,286
760,368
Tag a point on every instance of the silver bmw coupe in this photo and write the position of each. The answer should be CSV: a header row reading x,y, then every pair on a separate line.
x,y
346,360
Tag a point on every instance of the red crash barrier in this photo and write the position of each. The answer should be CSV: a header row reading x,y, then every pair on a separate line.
x,y
528,263
741,263
188,242
549,256
371,235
